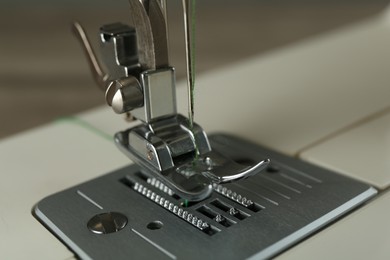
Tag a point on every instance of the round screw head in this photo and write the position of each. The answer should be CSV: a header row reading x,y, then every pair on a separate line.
x,y
106,223
124,94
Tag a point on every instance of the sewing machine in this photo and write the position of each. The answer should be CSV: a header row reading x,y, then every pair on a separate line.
x,y
239,199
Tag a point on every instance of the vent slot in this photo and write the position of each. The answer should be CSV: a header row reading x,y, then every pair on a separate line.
x,y
238,214
238,198
151,193
222,206
127,182
207,212
211,230
215,216
141,177
254,207
229,209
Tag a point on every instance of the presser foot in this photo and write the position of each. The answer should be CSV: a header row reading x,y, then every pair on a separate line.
x,y
182,158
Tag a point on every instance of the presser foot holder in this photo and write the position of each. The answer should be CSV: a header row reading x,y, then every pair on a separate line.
x,y
131,214
167,149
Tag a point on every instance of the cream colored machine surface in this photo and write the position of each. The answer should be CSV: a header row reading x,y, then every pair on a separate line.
x,y
323,100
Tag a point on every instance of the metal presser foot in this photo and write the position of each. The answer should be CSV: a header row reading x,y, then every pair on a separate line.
x,y
140,80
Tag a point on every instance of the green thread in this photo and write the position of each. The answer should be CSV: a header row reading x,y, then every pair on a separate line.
x,y
84,125
193,41
192,75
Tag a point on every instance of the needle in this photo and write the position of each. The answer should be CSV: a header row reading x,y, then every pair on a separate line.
x,y
189,28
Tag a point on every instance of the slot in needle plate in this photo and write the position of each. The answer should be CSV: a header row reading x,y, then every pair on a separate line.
x,y
258,217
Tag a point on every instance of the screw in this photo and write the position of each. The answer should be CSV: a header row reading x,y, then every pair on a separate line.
x,y
106,223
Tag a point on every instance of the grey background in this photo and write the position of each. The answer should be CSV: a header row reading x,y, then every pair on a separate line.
x,y
44,75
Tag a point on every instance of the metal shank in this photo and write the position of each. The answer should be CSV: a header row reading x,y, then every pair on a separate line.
x,y
148,19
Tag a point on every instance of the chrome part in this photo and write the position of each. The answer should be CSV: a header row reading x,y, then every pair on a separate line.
x,y
139,79
169,141
124,95
175,209
100,77
159,185
164,8
148,19
107,223
233,195
171,144
221,169
118,46
159,95
120,59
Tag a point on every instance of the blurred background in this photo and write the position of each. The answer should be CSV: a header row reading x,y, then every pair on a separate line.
x,y
44,74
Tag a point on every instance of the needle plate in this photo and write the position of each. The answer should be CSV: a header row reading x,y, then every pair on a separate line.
x,y
257,217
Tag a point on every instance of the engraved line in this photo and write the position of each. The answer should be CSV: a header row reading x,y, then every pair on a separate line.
x,y
274,191
256,194
299,172
89,199
281,184
163,250
295,180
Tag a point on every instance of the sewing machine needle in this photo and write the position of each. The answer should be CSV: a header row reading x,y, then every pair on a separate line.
x,y
189,28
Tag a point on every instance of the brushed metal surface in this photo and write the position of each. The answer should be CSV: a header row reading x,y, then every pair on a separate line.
x,y
290,201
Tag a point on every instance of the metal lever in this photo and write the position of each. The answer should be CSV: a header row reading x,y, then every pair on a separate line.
x,y
140,80
100,77
122,90
221,169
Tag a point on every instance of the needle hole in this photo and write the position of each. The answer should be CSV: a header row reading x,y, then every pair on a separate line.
x,y
154,225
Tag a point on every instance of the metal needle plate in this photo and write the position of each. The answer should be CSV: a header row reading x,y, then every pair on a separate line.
x,y
259,217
